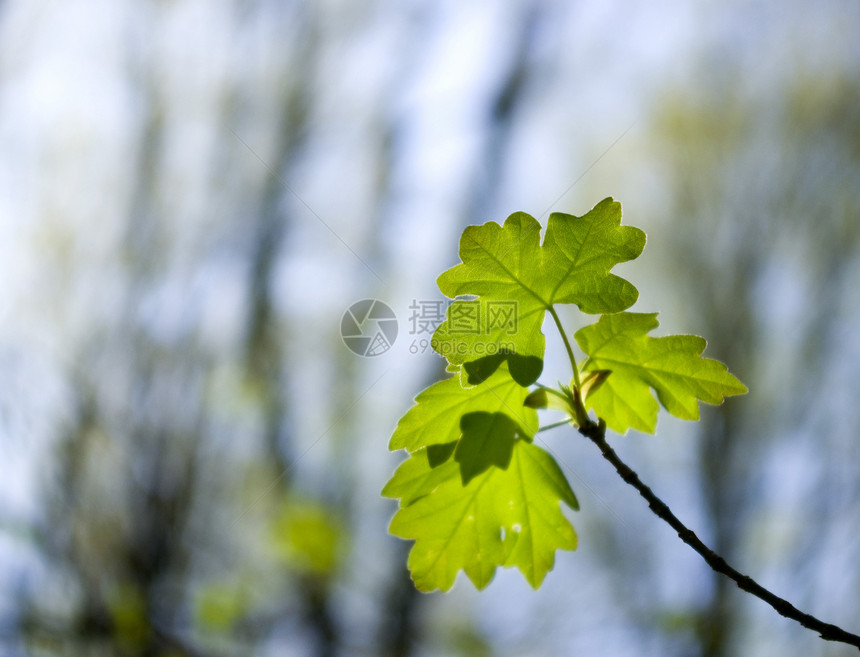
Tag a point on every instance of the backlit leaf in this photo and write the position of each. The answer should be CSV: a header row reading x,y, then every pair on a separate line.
x,y
671,365
516,280
435,417
501,517
475,492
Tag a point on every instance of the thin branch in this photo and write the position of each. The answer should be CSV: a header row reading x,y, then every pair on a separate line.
x,y
597,434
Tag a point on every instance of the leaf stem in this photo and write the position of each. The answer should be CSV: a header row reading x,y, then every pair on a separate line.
x,y
596,432
567,346
555,424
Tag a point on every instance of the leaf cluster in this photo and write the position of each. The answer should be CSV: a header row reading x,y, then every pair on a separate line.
x,y
476,491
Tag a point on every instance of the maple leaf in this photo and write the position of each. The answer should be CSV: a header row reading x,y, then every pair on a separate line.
x,y
671,365
487,440
435,417
476,493
517,280
502,517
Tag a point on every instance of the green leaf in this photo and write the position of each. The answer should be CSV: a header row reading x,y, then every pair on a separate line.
x,y
128,611
593,381
419,475
438,454
501,517
516,280
435,417
309,537
487,440
550,398
671,365
537,399
219,605
475,492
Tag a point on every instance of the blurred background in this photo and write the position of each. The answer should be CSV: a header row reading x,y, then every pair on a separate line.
x,y
192,193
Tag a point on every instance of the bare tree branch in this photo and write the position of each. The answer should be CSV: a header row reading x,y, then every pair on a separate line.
x,y
596,432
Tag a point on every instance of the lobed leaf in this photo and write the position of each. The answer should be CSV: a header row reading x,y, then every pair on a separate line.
x,y
502,517
435,417
671,365
510,272
475,492
487,440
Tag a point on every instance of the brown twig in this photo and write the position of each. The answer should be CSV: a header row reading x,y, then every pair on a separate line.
x,y
596,432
